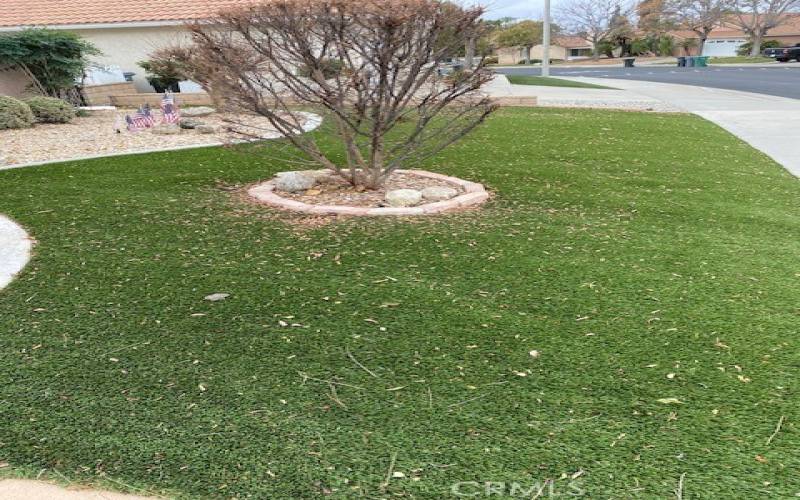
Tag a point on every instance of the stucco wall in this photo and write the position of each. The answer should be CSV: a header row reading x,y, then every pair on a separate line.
x,y
513,55
124,47
556,52
13,83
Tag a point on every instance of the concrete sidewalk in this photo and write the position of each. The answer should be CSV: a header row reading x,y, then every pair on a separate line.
x,y
573,97
767,123
24,489
15,250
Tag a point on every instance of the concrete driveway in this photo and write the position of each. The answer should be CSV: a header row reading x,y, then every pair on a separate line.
x,y
776,79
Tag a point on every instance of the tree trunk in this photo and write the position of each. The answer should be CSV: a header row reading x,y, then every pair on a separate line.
x,y
595,49
527,55
469,51
755,50
702,45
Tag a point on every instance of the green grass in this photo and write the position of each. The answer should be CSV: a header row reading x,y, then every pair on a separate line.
x,y
546,81
740,60
640,270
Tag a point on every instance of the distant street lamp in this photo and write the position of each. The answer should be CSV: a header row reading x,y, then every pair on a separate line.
x,y
546,39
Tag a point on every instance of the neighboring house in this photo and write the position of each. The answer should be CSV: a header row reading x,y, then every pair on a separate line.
x,y
126,31
562,47
727,38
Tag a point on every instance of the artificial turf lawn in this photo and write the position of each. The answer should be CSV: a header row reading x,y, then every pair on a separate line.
x,y
638,264
740,60
546,81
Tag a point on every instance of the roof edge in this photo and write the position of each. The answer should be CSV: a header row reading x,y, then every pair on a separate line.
x,y
88,26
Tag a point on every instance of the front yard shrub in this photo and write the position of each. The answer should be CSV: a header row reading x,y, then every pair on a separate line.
x,y
745,48
50,109
14,113
163,74
54,60
329,67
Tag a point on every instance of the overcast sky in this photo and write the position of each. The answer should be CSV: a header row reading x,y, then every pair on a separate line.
x,y
528,9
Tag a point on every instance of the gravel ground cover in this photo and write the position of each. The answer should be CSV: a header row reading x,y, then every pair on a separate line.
x,y
96,135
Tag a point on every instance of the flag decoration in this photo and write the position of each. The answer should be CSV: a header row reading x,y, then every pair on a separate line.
x,y
169,109
143,118
147,115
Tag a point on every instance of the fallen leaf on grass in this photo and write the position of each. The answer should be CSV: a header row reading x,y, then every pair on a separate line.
x,y
216,297
670,401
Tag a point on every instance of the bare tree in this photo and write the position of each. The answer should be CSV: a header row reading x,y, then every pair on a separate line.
x,y
523,34
757,17
699,16
370,67
590,18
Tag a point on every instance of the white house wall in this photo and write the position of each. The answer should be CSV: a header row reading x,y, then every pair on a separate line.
x,y
125,47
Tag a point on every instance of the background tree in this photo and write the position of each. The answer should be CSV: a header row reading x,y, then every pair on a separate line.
x,y
523,34
666,45
621,32
687,44
590,18
757,17
654,18
388,106
700,16
54,60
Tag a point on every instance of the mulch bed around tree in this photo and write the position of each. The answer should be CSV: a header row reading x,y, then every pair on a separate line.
x,y
337,191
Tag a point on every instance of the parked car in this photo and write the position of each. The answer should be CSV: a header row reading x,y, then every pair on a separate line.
x,y
784,54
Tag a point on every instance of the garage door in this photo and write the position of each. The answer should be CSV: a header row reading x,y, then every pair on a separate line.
x,y
722,46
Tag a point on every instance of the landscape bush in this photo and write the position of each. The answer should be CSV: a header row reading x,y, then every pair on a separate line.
x,y
54,60
329,67
51,109
14,114
744,49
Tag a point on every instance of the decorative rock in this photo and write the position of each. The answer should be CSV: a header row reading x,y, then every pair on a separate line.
x,y
292,182
403,197
206,129
167,129
190,123
197,111
216,297
438,193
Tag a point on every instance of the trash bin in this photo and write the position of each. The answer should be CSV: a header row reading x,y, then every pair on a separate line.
x,y
628,61
681,62
701,62
690,61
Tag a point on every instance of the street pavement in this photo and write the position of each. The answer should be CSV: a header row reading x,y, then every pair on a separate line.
x,y
776,79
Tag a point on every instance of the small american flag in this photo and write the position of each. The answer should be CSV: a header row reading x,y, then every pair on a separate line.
x,y
147,114
136,122
169,109
143,118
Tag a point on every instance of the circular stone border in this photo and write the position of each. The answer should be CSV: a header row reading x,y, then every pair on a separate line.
x,y
474,194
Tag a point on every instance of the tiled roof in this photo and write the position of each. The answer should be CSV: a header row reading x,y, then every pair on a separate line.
x,y
728,29
61,12
570,42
